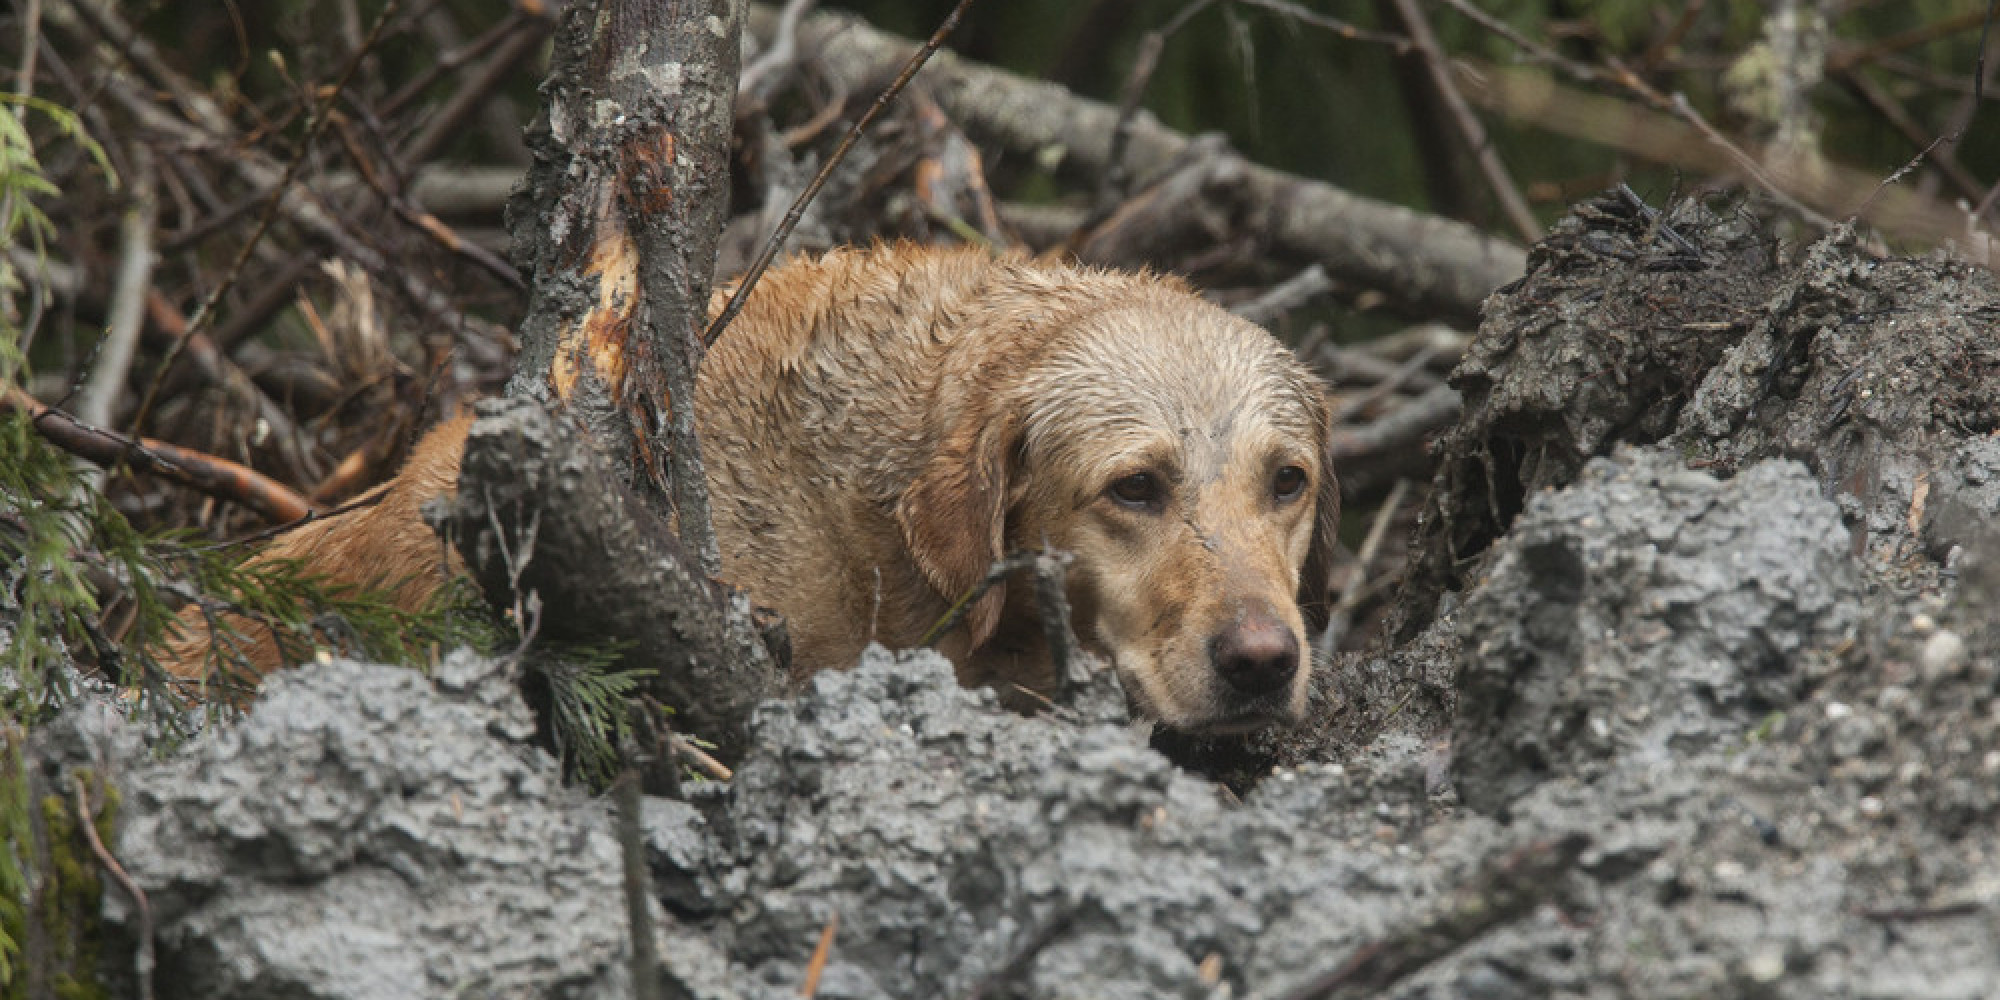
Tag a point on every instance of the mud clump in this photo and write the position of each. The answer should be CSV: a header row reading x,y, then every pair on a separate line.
x,y
366,832
1652,611
1622,313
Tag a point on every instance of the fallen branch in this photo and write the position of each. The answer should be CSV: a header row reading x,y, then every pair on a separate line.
x,y
97,403
216,477
1424,264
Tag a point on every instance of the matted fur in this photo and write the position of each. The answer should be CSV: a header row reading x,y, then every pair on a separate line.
x,y
881,424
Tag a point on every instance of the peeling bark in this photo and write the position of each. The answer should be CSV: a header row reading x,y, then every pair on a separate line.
x,y
618,222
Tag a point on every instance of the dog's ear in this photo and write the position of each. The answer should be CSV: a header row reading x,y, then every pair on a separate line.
x,y
1315,601
954,519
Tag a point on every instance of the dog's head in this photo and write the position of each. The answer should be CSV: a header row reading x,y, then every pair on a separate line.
x,y
1180,454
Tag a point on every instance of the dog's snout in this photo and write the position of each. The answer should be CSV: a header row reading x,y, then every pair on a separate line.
x,y
1257,654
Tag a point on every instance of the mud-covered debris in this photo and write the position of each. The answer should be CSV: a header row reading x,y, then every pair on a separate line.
x,y
1652,610
1622,313
1882,375
951,836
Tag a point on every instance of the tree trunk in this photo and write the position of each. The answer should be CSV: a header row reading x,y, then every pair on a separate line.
x,y
617,222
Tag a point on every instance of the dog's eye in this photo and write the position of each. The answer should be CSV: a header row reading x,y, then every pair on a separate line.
x,y
1138,491
1290,482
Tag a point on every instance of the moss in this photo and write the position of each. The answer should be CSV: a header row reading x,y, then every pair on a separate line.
x,y
57,923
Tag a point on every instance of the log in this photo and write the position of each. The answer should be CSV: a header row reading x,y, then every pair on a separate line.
x,y
1427,266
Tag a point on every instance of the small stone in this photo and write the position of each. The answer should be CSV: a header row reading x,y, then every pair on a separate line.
x,y
1870,806
1728,871
1923,624
1765,965
1943,655
1837,710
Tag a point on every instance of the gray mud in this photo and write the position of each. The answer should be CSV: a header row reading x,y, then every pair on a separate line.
x,y
1712,709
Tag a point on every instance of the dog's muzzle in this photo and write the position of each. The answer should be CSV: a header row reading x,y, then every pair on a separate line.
x,y
1256,655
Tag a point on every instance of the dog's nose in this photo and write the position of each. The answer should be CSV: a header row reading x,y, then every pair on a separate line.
x,y
1257,654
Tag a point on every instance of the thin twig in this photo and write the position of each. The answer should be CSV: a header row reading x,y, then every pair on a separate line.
x,y
1286,296
270,214
143,962
1892,111
1901,172
1351,408
1352,590
224,373
1438,68
816,966
1504,889
1314,19
685,748
638,882
1001,569
452,60
445,124
365,500
424,222
1111,187
798,209
1534,50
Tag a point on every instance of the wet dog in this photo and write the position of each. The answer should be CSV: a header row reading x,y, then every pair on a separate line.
x,y
881,425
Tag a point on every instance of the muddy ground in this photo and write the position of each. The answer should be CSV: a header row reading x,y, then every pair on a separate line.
x,y
1694,695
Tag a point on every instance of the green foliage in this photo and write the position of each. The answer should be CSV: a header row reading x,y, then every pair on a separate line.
x,y
590,707
16,845
63,548
21,182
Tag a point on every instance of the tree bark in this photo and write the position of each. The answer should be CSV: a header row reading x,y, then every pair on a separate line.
x,y
618,222
540,512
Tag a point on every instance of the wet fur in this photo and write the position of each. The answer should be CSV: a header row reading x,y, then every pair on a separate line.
x,y
880,425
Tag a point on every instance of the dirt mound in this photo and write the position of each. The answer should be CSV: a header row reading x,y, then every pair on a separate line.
x,y
1720,677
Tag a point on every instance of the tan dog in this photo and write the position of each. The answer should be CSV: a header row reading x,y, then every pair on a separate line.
x,y
881,425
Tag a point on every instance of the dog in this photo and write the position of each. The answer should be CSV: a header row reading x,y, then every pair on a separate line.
x,y
881,425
